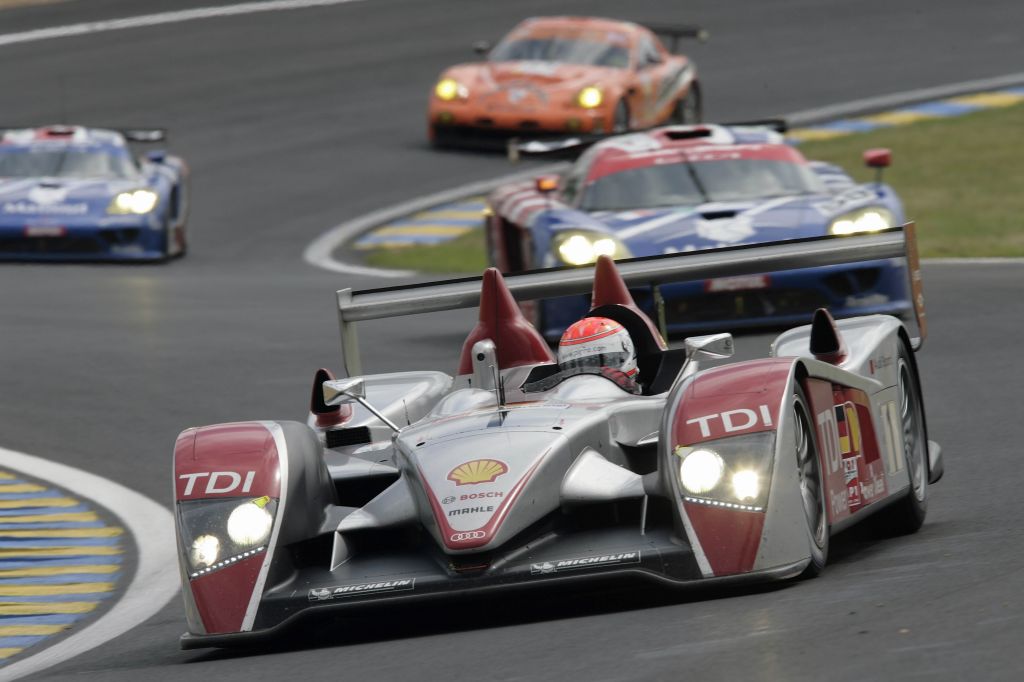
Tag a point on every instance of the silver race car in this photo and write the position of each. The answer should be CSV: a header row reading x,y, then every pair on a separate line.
x,y
520,472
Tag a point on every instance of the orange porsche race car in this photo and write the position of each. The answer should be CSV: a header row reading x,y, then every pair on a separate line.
x,y
567,75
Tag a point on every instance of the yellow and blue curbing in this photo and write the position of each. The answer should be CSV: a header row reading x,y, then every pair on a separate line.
x,y
433,226
58,561
447,221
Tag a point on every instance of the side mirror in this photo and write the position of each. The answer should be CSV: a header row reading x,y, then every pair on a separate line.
x,y
715,346
546,184
340,391
156,156
878,158
482,47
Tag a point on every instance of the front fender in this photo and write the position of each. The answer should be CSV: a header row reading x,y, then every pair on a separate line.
x,y
725,402
246,460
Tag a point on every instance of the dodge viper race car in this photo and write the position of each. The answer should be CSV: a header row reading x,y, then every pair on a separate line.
x,y
520,472
567,75
74,193
685,188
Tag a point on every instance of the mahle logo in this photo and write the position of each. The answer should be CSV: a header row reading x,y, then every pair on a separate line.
x,y
477,471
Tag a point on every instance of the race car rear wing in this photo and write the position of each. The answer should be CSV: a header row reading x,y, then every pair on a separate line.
x,y
429,297
676,33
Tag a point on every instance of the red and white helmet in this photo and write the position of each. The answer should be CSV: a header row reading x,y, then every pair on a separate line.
x,y
597,342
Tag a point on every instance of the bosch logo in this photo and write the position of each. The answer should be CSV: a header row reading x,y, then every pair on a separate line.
x,y
468,535
448,500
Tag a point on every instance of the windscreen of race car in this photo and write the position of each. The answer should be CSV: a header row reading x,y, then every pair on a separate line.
x,y
687,183
64,162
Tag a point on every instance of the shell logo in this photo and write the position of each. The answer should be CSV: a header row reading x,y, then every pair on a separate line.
x,y
477,471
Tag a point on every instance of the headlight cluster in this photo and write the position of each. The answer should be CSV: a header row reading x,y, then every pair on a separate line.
x,y
733,473
217,533
871,219
580,247
590,97
448,89
139,202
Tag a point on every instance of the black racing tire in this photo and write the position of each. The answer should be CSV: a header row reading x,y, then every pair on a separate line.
x,y
812,485
907,516
620,121
689,109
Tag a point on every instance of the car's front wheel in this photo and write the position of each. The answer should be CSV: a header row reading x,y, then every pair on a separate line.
x,y
812,485
689,109
620,122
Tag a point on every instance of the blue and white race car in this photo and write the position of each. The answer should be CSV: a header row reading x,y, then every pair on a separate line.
x,y
74,193
691,188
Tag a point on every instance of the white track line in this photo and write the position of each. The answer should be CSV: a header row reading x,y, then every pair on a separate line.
x,y
156,576
319,253
161,18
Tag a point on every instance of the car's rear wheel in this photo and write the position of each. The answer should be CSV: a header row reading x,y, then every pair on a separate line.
x,y
907,515
812,485
689,108
620,123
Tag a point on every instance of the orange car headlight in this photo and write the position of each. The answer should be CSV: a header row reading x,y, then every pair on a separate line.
x,y
590,97
448,89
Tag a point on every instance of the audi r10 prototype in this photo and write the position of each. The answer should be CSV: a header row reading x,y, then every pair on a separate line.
x,y
518,472
567,75
74,193
688,188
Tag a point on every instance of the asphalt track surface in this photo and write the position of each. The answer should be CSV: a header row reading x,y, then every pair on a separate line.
x,y
296,121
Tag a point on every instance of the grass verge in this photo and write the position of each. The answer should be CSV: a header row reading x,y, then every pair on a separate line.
x,y
961,179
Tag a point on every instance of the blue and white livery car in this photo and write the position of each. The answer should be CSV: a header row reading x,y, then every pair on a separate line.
x,y
69,193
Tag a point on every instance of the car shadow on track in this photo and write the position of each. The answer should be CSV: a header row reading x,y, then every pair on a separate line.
x,y
390,623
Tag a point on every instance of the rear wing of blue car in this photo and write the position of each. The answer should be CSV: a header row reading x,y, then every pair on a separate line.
x,y
750,259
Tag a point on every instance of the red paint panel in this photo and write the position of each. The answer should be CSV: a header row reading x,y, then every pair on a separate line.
x,y
732,400
730,539
222,597
516,341
226,460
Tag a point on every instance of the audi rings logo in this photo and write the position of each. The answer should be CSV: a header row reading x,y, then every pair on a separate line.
x,y
468,535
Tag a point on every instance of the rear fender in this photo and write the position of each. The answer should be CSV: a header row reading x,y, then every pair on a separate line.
x,y
724,402
246,460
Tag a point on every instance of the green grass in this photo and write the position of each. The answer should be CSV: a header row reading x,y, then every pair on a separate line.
x,y
465,253
961,179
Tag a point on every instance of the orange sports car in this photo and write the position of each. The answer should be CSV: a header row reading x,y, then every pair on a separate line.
x,y
567,75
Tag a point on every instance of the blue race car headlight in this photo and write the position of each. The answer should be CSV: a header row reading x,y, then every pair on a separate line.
x,y
579,247
733,473
869,219
139,202
217,533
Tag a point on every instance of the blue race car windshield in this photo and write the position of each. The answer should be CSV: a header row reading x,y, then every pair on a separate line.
x,y
562,50
65,162
694,183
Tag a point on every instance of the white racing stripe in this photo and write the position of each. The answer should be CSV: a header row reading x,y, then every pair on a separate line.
x,y
162,18
156,576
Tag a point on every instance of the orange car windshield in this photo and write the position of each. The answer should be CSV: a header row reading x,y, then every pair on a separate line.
x,y
563,50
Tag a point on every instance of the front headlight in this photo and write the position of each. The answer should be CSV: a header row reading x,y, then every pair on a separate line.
x,y
448,89
590,97
871,219
732,472
139,202
218,533
580,248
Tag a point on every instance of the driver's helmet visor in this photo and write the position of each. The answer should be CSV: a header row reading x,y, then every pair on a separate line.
x,y
615,360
